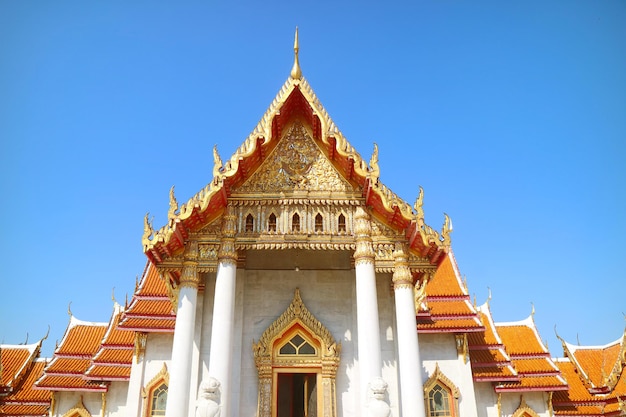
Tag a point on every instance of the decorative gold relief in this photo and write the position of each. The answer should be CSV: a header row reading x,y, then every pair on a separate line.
x,y
364,252
78,410
140,345
401,274
524,410
295,164
461,345
189,276
419,294
227,252
171,212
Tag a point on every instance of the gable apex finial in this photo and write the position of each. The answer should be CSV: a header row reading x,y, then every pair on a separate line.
x,y
296,72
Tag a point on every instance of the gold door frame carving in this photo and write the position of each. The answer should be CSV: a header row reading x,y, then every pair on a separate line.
x,y
325,361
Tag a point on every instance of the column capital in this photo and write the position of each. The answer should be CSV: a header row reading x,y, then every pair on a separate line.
x,y
401,273
228,253
189,276
364,253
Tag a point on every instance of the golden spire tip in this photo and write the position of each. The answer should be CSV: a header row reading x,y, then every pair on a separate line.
x,y
296,72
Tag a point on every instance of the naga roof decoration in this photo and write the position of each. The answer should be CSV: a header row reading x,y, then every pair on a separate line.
x,y
296,101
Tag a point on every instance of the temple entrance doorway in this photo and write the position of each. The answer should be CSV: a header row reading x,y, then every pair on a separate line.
x,y
296,394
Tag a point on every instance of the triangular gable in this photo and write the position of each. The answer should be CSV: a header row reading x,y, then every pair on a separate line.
x,y
599,367
295,101
296,164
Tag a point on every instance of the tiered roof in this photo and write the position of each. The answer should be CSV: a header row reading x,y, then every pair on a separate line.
x,y
488,356
20,369
530,357
72,358
597,380
113,360
448,308
150,309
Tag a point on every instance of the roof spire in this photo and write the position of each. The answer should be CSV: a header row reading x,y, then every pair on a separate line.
x,y
296,72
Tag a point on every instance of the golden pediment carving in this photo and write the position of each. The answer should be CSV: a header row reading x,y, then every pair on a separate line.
x,y
296,164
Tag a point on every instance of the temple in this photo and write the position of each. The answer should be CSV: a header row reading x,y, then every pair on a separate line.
x,y
296,284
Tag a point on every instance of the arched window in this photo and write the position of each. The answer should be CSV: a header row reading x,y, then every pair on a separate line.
x,y
295,223
319,223
249,223
439,402
159,399
441,395
341,223
271,223
155,394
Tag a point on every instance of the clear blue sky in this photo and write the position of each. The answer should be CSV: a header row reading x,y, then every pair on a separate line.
x,y
511,115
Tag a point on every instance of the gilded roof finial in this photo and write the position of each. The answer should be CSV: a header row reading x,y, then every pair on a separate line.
x,y
296,72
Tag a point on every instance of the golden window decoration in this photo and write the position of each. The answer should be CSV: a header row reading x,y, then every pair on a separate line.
x,y
159,399
441,396
249,223
155,394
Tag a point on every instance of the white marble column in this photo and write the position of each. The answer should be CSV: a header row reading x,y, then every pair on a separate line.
x,y
221,358
411,389
370,363
179,386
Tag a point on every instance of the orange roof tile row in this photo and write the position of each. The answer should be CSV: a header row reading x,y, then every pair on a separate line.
x,y
449,306
26,401
150,309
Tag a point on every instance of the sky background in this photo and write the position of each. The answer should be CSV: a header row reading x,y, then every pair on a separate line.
x,y
510,115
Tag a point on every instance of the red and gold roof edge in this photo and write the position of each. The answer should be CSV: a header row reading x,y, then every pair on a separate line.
x,y
296,99
150,309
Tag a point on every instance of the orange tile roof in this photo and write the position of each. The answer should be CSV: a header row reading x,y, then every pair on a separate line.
x,y
72,358
530,358
446,282
449,306
15,360
597,380
114,359
20,368
150,309
598,363
488,358
520,339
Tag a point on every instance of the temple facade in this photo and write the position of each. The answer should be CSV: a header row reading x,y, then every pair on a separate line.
x,y
296,284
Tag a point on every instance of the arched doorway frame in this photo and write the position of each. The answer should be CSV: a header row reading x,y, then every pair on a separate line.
x,y
297,319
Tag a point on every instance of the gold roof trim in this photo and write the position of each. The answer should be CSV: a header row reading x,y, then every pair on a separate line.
x,y
261,135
